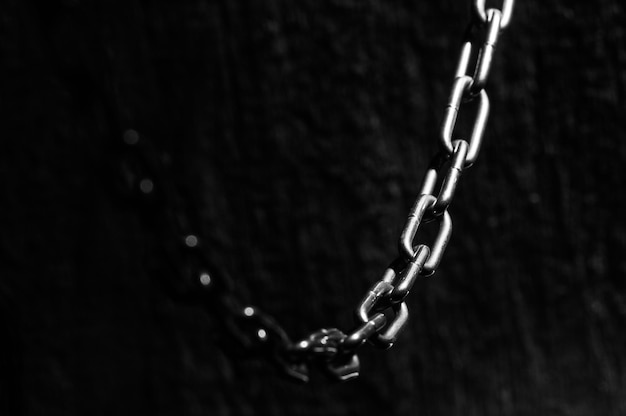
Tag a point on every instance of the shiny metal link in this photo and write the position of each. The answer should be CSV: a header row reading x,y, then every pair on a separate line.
x,y
388,336
422,205
451,180
390,275
464,59
407,277
371,300
364,332
507,11
447,189
484,58
378,298
432,173
439,245
430,178
460,89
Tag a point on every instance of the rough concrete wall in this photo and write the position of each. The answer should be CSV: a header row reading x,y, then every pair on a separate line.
x,y
299,133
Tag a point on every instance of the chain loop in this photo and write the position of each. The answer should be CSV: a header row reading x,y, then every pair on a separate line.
x,y
377,299
439,245
507,11
388,336
373,300
365,332
419,209
461,89
451,180
407,277
484,59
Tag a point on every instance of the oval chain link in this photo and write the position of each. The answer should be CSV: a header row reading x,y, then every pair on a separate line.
x,y
382,313
461,90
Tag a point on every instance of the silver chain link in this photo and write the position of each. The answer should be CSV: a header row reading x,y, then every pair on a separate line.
x,y
382,313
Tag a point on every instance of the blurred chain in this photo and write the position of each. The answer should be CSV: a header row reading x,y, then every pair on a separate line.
x,y
382,313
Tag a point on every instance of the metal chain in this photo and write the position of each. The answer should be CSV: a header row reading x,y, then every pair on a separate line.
x,y
382,313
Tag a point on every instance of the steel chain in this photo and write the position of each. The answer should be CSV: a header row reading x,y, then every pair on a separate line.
x,y
382,313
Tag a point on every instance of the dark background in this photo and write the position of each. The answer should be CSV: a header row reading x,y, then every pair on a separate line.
x,y
298,134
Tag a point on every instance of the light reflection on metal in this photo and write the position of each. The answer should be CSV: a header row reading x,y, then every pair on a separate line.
x,y
191,241
146,186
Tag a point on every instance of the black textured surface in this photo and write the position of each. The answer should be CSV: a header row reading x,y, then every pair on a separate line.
x,y
299,132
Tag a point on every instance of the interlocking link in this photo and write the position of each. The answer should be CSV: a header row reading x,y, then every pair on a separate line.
x,y
507,11
423,204
486,45
380,291
451,180
389,334
485,56
365,332
461,90
408,276
379,298
382,313
419,209
439,245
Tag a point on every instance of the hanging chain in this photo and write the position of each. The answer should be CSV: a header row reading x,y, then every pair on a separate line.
x,y
382,313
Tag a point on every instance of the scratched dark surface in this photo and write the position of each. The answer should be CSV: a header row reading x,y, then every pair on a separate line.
x,y
299,133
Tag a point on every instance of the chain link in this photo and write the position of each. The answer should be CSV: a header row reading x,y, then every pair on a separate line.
x,y
461,90
382,313
489,38
506,10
